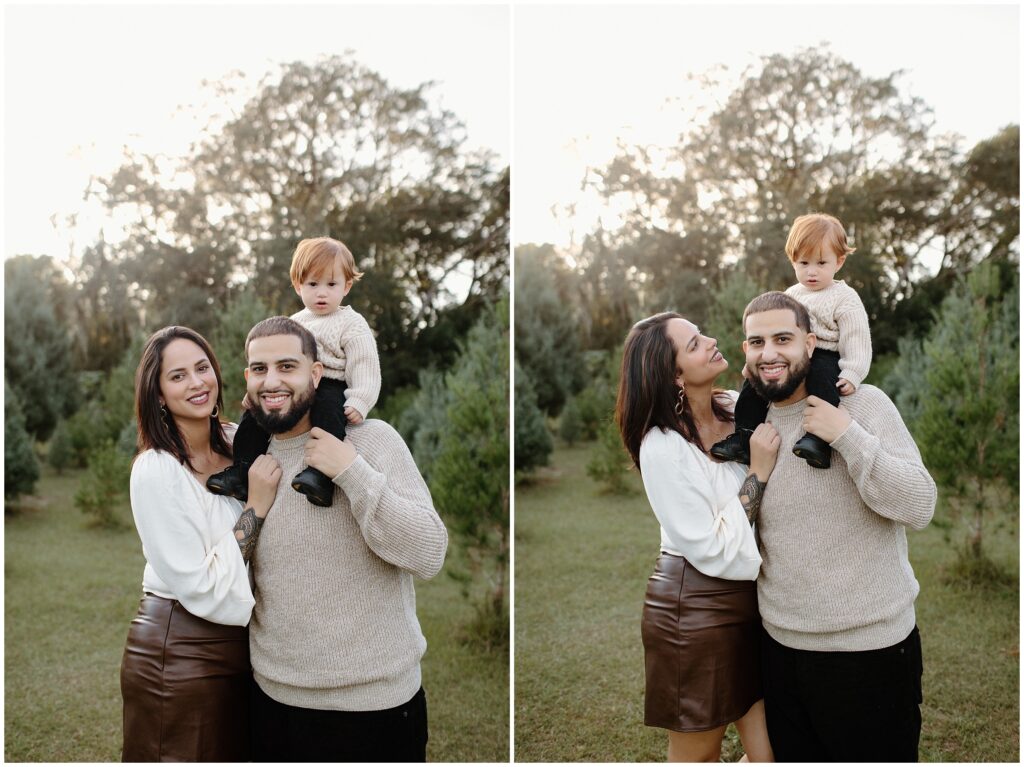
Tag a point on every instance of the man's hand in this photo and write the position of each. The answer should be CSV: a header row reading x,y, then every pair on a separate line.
x,y
845,387
353,415
327,453
823,420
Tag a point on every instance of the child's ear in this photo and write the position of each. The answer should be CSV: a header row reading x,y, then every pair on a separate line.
x,y
840,260
348,286
298,290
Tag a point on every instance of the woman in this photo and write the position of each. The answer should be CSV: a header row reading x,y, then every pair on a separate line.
x,y
700,622
185,674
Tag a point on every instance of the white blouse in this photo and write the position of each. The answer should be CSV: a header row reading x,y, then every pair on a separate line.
x,y
696,500
188,540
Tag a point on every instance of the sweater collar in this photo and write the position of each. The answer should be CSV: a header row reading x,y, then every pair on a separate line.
x,y
794,409
293,443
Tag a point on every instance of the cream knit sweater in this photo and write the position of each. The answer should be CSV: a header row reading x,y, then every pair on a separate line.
x,y
835,573
335,624
348,351
840,322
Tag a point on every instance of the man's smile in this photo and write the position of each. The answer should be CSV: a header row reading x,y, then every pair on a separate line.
x,y
772,371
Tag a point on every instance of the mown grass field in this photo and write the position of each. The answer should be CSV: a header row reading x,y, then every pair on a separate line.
x,y
70,592
582,563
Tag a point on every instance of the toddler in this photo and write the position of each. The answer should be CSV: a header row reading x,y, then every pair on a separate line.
x,y
817,248
322,273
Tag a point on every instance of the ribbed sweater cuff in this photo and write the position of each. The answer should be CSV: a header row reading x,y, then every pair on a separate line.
x,y
853,443
855,378
361,482
359,405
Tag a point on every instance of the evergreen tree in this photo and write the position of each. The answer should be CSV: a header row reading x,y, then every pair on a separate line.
x,y
532,439
964,402
37,350
21,468
60,454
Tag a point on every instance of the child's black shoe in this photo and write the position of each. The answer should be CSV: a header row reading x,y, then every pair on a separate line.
x,y
735,447
233,481
315,485
814,450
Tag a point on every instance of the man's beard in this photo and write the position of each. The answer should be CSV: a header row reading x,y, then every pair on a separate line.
x,y
777,391
279,423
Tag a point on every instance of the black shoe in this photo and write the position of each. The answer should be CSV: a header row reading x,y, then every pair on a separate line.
x,y
315,485
735,447
233,481
814,450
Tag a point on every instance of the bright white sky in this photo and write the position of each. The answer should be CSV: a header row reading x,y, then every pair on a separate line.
x,y
82,81
586,75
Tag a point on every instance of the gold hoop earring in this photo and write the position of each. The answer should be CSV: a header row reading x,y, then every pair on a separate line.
x,y
163,415
681,401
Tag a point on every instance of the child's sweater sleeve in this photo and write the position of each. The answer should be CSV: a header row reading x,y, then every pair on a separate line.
x,y
854,339
362,365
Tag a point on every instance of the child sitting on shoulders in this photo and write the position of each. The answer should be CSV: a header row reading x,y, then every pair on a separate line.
x,y
322,273
817,248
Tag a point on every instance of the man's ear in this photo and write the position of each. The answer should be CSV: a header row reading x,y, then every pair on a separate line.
x,y
744,346
317,373
811,341
245,372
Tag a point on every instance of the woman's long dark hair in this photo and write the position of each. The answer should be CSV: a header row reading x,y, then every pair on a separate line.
x,y
156,432
648,393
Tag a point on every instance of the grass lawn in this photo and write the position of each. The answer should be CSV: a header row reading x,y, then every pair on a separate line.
x,y
71,592
582,563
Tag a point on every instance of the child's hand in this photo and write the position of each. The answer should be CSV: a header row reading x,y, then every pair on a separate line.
x,y
845,387
353,415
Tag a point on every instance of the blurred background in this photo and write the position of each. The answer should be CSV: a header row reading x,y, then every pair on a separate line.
x,y
661,154
161,164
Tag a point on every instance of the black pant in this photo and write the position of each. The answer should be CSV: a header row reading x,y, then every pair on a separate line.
x,y
328,412
843,706
283,733
821,381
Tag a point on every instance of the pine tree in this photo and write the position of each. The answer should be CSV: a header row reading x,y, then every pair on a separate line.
x,y
532,439
21,468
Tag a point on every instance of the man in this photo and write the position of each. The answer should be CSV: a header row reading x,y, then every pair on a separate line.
x,y
334,638
841,656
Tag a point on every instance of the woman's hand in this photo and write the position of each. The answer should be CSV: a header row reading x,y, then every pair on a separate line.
x,y
764,450
264,477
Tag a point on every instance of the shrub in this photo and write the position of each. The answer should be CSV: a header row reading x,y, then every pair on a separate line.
x,y
61,454
104,486
609,461
21,467
570,425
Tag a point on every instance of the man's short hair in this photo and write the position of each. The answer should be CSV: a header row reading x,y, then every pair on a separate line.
x,y
282,326
775,300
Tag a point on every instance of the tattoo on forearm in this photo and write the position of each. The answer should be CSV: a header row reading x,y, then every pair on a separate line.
x,y
751,493
247,532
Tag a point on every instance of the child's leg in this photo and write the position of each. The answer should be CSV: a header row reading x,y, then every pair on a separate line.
x,y
328,413
750,410
823,376
821,382
250,442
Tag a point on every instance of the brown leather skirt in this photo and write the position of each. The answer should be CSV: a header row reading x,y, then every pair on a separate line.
x,y
185,684
701,648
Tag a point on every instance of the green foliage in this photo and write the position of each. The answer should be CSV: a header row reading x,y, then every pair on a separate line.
x,y
547,339
235,321
21,467
61,454
597,400
725,321
609,463
37,351
104,486
533,442
295,161
468,465
570,425
959,389
423,423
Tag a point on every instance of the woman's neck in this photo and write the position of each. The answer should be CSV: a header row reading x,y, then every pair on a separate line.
x,y
700,404
196,434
